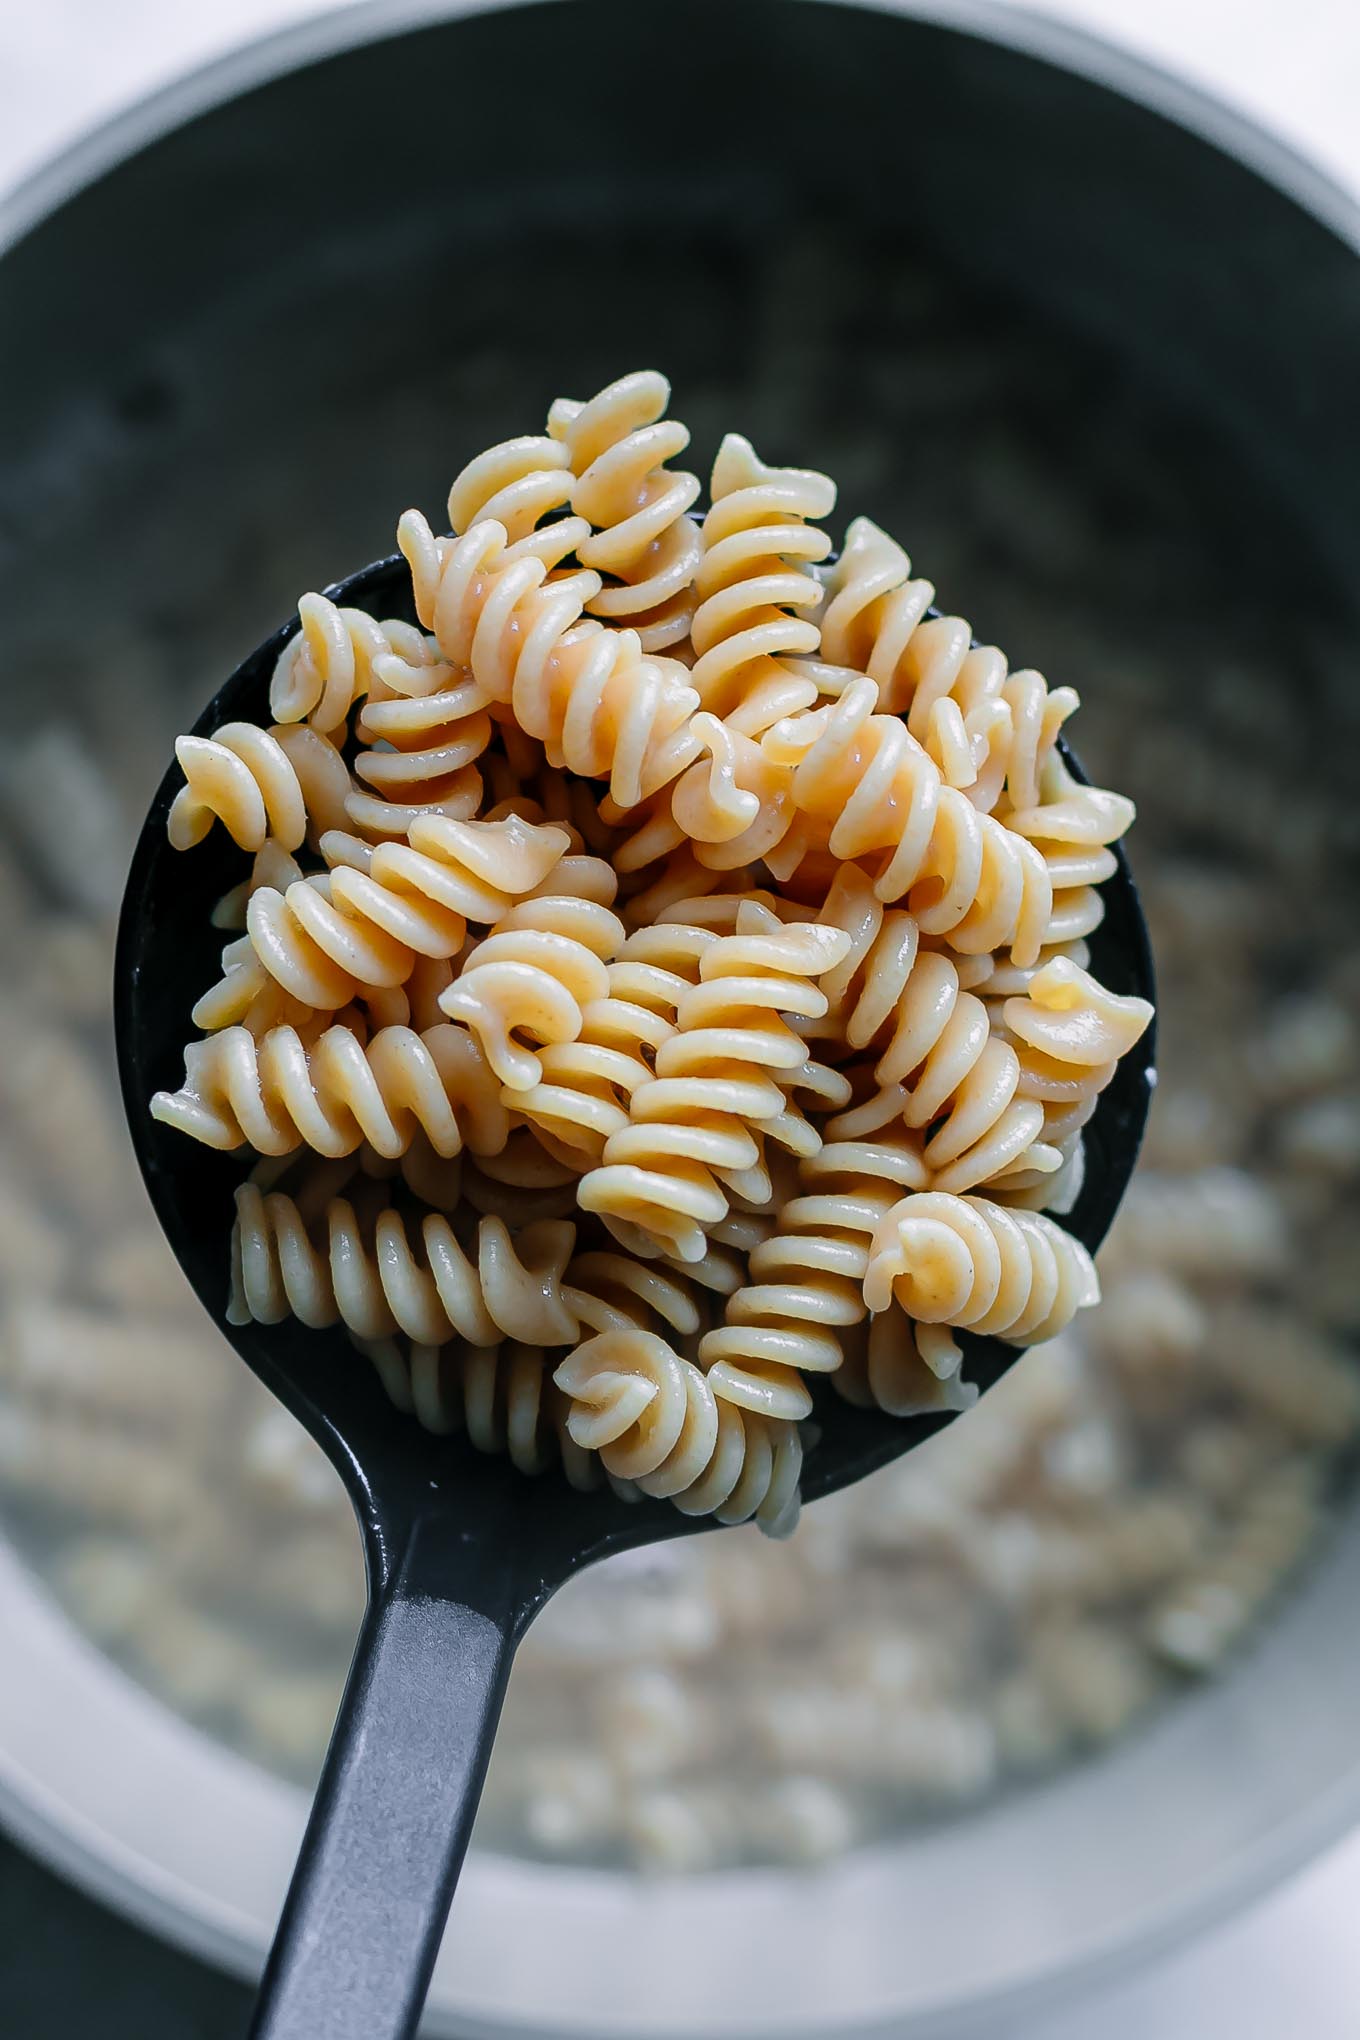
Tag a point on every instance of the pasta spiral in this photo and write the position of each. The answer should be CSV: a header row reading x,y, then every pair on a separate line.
x,y
1069,1033
618,444
332,662
325,938
583,1094
749,581
810,1271
669,1174
503,1398
655,1421
963,874
421,745
258,783
367,1273
336,1092
938,1064
542,963
969,1263
927,669
518,483
1072,826
883,1369
587,692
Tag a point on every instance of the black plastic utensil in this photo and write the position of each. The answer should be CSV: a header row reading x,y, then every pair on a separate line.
x,y
461,1550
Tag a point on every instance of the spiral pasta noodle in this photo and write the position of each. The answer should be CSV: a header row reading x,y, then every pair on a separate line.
x,y
602,708
501,1398
262,785
809,1270
542,963
655,1422
326,938
330,664
690,1141
656,990
963,874
968,1263
618,444
334,1092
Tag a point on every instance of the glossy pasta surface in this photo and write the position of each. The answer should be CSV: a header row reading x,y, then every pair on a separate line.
x,y
814,1034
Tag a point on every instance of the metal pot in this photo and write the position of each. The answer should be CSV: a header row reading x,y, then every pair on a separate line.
x,y
232,323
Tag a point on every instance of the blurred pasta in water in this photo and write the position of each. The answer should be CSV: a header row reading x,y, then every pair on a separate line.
x,y
660,979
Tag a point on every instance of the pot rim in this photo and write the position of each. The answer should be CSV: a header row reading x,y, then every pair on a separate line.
x,y
1061,43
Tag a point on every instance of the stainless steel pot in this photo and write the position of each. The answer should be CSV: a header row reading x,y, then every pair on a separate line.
x,y
228,321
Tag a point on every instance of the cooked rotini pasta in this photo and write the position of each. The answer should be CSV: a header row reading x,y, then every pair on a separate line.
x,y
600,706
751,587
641,538
519,483
963,874
335,1092
326,939
329,665
502,1398
690,1141
260,784
659,986
883,1369
944,1071
537,970
362,1268
655,1422
421,747
808,1275
967,1263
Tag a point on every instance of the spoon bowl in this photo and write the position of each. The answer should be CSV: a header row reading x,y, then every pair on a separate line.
x,y
461,1549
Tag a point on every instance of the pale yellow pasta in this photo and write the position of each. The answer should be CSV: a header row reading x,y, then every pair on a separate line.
x,y
601,707
1069,1033
518,483
641,538
883,1369
967,1263
681,886
1072,827
503,1398
585,1085
655,1422
330,664
335,1092
271,865
540,966
927,669
669,1174
325,939
423,738
752,584
363,1269
258,783
946,1073
807,1269
963,874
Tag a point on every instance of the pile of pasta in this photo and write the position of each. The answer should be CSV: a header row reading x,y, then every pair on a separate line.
x,y
660,979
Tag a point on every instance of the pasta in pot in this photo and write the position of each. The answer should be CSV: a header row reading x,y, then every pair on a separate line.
x,y
672,950
1011,1598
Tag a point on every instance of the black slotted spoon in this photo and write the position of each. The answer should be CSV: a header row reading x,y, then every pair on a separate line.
x,y
461,1550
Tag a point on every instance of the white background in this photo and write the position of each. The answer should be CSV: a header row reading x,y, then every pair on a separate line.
x,y
1291,1967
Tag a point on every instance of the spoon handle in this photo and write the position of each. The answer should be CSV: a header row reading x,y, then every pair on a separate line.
x,y
361,1924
